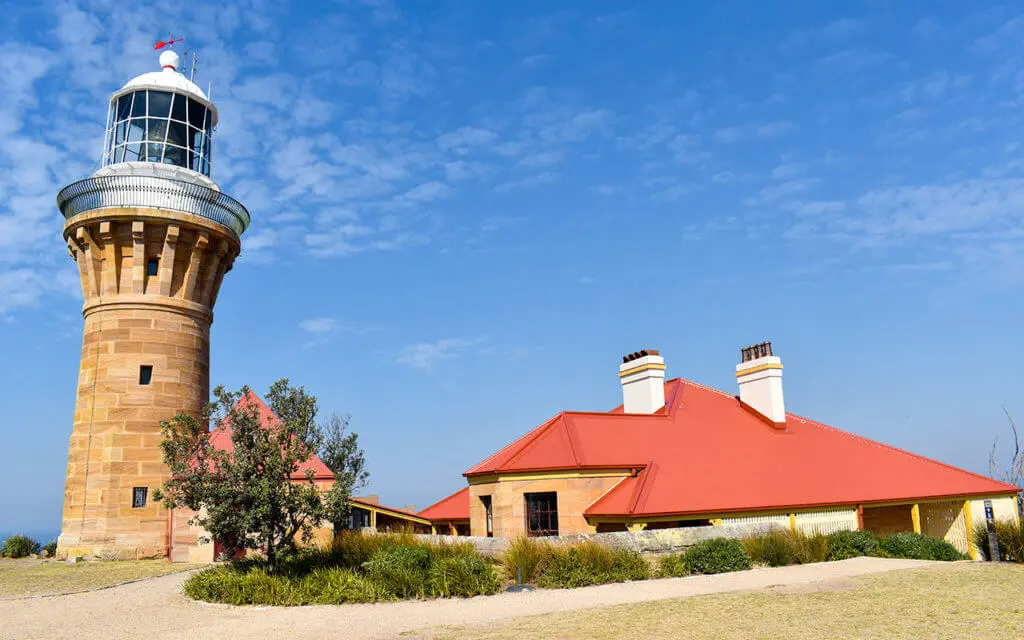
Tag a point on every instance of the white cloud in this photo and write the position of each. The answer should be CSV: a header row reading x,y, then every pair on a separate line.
x,y
788,170
425,356
319,325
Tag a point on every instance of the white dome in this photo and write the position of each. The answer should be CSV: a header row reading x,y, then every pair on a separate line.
x,y
169,59
166,79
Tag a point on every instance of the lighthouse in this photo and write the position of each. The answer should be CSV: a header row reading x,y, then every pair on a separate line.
x,y
153,237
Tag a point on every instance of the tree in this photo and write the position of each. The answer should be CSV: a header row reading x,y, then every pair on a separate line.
x,y
250,497
1013,472
340,451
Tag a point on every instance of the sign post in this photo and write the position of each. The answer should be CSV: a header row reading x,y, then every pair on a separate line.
x,y
993,539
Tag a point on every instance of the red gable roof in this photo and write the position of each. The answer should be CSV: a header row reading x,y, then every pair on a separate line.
x,y
454,507
221,438
708,454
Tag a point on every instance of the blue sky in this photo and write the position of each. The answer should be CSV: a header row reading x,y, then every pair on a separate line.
x,y
464,213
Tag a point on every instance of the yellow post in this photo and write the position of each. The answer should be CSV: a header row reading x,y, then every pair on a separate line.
x,y
373,518
433,530
915,516
639,526
716,522
792,522
969,526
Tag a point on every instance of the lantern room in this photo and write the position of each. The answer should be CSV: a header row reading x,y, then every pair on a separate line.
x,y
161,117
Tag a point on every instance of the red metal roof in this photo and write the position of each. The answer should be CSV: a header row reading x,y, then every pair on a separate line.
x,y
706,453
454,507
221,438
376,505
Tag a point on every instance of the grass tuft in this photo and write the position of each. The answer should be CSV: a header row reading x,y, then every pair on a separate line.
x,y
588,563
1010,535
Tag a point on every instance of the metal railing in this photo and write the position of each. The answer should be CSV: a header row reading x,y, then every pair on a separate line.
x,y
103,192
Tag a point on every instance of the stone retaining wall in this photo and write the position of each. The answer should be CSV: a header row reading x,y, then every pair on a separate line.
x,y
655,541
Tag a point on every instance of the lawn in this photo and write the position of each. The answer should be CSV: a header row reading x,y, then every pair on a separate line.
x,y
962,600
35,577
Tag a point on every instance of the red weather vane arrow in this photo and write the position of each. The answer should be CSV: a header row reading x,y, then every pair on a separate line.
x,y
166,43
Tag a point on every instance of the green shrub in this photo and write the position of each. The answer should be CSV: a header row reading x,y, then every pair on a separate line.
x,y
400,570
718,555
918,547
395,566
50,548
775,549
1011,540
461,576
254,585
19,547
851,544
337,586
810,548
672,566
529,555
352,549
589,563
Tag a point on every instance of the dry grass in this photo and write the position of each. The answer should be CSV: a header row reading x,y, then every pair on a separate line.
x,y
959,601
35,577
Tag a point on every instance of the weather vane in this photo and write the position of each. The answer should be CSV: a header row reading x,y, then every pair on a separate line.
x,y
169,42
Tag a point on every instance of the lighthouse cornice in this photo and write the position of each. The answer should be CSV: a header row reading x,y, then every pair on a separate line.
x,y
152,192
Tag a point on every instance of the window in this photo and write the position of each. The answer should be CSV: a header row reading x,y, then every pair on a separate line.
x,y
152,266
542,514
139,495
145,374
489,517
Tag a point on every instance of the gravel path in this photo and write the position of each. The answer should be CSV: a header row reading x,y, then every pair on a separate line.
x,y
156,609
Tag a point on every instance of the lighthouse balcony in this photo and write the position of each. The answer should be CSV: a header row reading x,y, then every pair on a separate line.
x,y
152,192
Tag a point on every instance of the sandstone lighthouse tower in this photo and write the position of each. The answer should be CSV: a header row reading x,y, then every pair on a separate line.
x,y
153,237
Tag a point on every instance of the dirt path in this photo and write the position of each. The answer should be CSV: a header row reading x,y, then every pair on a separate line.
x,y
156,609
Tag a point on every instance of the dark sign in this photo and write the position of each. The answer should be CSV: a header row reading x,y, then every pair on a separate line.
x,y
993,539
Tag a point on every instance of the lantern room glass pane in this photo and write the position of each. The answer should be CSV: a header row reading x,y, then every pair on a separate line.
x,y
196,114
131,152
136,130
120,132
178,111
124,107
160,104
139,104
176,156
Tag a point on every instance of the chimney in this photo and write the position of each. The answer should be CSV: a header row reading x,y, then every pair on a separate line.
x,y
759,375
643,382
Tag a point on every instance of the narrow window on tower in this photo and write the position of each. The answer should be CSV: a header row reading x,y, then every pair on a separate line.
x,y
153,266
139,495
145,374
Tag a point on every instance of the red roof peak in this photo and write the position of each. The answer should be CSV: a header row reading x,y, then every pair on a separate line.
x,y
221,438
454,507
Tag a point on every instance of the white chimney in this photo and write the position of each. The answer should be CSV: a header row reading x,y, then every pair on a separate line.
x,y
760,378
643,382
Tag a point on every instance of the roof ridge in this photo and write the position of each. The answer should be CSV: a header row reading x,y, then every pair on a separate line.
x,y
549,425
706,388
649,472
612,489
570,433
883,445
529,435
